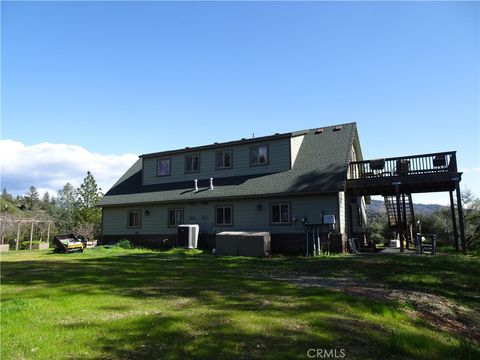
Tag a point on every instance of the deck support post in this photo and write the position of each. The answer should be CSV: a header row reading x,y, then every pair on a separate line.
x,y
410,203
454,221
399,214
412,214
460,215
404,216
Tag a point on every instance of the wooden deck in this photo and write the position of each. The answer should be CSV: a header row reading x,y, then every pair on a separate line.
x,y
414,174
406,175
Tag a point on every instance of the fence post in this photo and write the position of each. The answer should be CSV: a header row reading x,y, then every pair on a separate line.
x,y
48,233
31,236
18,235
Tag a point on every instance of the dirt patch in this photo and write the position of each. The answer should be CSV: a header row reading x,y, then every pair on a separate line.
x,y
436,310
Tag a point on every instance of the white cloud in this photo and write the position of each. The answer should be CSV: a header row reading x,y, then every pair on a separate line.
x,y
49,166
471,170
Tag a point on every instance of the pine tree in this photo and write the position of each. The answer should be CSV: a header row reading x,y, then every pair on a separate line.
x,y
46,197
6,196
7,202
45,203
32,198
88,195
65,209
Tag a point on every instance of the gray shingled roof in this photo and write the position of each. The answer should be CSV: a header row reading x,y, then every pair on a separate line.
x,y
320,167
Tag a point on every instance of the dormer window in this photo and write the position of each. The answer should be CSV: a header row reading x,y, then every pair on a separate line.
x,y
259,155
192,163
163,167
223,159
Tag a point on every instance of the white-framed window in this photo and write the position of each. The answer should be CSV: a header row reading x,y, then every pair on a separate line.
x,y
259,155
175,217
224,215
163,167
280,213
223,159
134,218
192,163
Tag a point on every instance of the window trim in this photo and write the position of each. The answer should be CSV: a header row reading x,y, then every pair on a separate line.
x,y
231,215
168,217
186,162
289,213
252,148
139,219
231,159
169,169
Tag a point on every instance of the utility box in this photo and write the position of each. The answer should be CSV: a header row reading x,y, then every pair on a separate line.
x,y
329,219
187,236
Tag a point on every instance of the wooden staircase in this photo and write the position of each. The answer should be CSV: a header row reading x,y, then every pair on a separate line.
x,y
393,221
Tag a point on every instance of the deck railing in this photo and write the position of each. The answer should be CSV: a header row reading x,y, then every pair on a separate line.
x,y
444,162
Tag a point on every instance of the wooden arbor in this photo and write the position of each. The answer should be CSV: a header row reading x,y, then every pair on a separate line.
x,y
400,177
19,222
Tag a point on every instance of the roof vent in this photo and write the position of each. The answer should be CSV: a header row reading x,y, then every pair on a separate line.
x,y
319,131
337,128
211,183
243,139
277,133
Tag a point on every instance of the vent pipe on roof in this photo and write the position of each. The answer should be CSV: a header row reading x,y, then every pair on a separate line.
x,y
211,183
196,184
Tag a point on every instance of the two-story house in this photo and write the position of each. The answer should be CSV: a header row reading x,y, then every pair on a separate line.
x,y
283,184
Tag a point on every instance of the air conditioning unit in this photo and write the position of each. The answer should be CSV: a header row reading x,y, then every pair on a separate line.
x,y
187,236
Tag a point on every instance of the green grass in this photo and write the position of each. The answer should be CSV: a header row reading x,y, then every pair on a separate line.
x,y
129,304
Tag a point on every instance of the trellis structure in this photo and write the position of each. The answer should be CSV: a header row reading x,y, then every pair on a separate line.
x,y
19,223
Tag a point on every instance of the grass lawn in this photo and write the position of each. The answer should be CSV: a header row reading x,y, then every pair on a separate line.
x,y
131,304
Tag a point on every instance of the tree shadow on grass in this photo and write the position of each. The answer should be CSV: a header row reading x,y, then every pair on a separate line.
x,y
272,332
441,275
209,310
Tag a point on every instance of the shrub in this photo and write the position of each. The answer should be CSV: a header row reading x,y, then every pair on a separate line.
x,y
125,244
25,245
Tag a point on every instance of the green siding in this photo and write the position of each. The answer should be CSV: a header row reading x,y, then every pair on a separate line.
x,y
246,217
115,220
279,160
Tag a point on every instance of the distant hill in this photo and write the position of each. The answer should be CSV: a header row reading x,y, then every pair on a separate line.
x,y
377,206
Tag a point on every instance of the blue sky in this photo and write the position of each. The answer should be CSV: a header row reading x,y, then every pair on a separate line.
x,y
119,78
